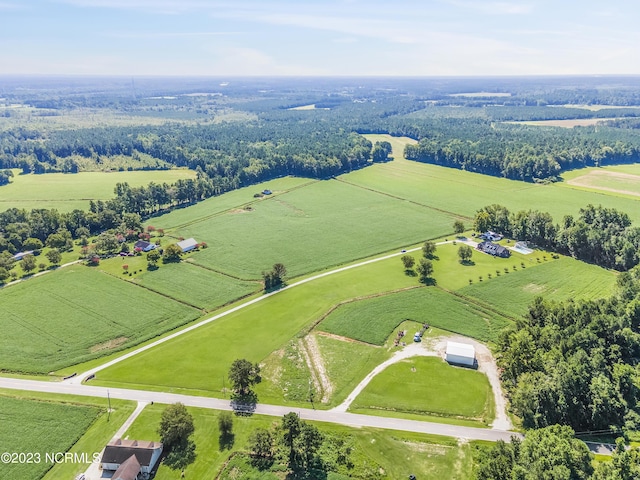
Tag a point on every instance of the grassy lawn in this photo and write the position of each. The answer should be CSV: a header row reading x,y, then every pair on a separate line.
x,y
395,453
373,320
324,223
201,359
554,279
39,427
428,385
76,314
465,192
66,191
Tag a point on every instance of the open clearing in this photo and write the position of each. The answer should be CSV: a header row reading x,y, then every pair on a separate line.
x,y
39,427
609,181
373,450
428,386
65,317
569,123
68,191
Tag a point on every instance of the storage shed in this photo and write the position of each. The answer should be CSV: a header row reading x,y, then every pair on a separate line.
x,y
460,354
188,244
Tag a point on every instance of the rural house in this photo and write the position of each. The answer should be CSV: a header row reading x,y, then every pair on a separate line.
x,y
124,456
494,249
143,246
460,354
187,245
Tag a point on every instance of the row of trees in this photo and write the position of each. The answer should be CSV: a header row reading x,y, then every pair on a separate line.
x,y
599,235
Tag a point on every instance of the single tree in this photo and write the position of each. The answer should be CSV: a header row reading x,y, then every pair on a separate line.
x,y
153,257
176,425
261,448
32,244
458,227
408,261
308,443
28,263
291,427
54,256
424,269
171,253
280,271
243,375
429,249
465,252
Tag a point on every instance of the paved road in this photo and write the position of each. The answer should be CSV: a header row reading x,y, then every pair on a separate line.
x,y
343,418
78,379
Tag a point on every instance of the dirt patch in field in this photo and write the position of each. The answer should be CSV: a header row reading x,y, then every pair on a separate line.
x,y
315,362
534,288
236,211
427,448
344,339
109,344
591,179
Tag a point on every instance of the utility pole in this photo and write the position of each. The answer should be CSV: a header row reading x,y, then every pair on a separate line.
x,y
109,409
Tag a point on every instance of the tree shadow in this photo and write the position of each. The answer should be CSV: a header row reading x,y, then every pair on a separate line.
x,y
226,441
430,281
244,404
467,263
181,455
409,272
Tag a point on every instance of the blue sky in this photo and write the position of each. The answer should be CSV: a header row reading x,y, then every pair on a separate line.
x,y
311,37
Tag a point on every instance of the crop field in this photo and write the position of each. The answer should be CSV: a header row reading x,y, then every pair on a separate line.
x,y
431,457
39,427
76,314
69,191
570,123
324,224
428,386
373,320
556,280
252,333
197,286
463,193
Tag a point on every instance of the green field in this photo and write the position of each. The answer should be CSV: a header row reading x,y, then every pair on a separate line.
x,y
428,386
39,427
195,285
67,192
428,456
320,225
464,192
560,279
373,320
76,314
201,359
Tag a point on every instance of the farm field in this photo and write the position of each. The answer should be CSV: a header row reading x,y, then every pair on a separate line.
x,y
39,427
336,222
75,314
555,280
68,191
374,320
570,123
428,386
463,193
430,457
613,180
201,359
202,288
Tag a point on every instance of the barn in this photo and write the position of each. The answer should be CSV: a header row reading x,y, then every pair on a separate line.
x,y
460,354
188,244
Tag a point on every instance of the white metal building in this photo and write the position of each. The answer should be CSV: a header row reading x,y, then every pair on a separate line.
x,y
188,244
460,354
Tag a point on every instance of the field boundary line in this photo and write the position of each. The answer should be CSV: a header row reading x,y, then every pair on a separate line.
x,y
479,304
190,261
430,207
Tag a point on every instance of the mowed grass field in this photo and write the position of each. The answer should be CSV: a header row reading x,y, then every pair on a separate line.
x,y
615,180
374,320
39,427
76,314
560,279
396,453
319,225
428,386
463,193
67,192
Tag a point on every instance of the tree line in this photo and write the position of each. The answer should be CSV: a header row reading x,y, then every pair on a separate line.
x,y
599,235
